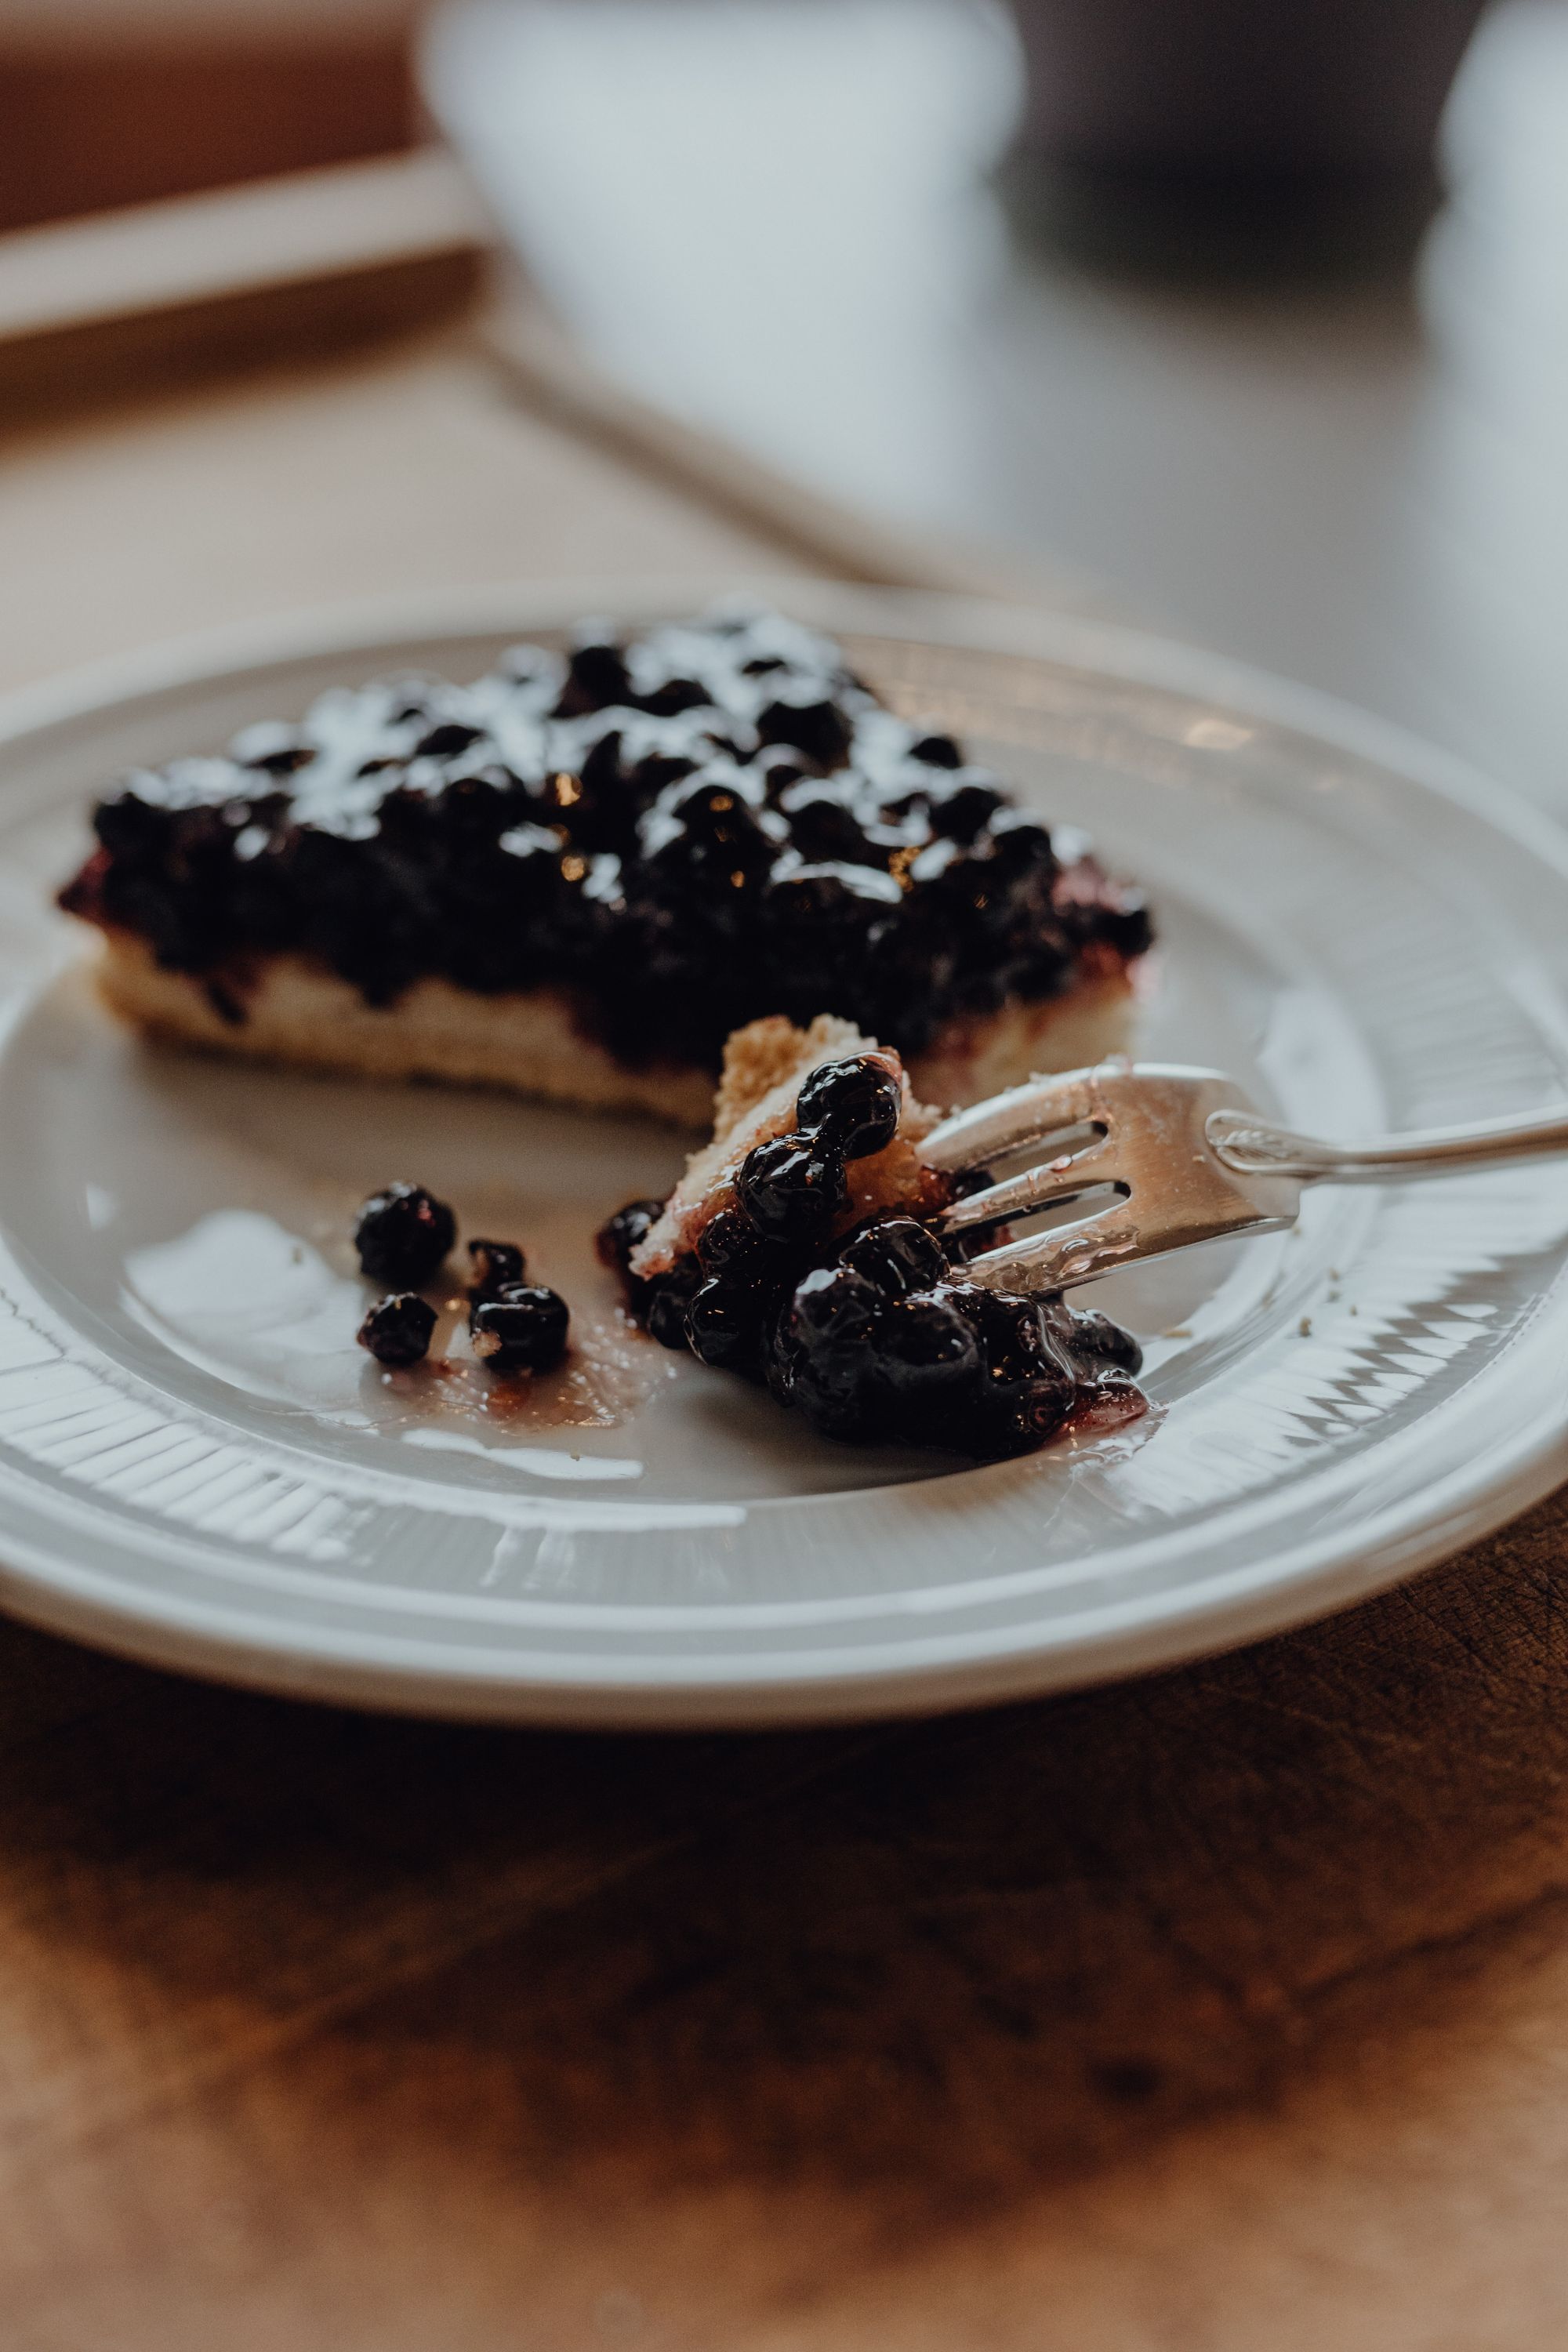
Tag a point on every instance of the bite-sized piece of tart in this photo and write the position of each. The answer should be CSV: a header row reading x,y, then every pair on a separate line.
x,y
797,1250
576,876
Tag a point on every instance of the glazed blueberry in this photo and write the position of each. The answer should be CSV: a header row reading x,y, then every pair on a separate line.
x,y
1016,844
819,729
937,751
724,1327
852,1105
676,695
898,1255
791,1189
397,1330
1031,1383
596,678
823,826
825,1358
620,1234
1096,1335
495,1266
731,1246
402,1234
521,1331
959,810
705,833
833,1307
442,741
664,1302
926,1346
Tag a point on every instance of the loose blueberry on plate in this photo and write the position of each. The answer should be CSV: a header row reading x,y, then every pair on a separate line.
x,y
403,1235
397,1331
496,1265
619,1236
521,1331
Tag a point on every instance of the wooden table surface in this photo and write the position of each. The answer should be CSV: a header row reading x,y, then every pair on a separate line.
x,y
1223,2011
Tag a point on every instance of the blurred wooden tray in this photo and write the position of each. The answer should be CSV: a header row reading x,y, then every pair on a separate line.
x,y
139,299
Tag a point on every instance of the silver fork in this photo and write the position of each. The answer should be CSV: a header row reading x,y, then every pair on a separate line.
x,y
1184,1156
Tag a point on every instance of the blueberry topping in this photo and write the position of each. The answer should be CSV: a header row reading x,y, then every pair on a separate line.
x,y
620,1234
1097,1335
729,1244
937,751
496,1265
834,1308
819,729
792,1189
675,831
824,826
851,1106
898,1255
442,740
522,1330
958,812
723,1324
926,1344
397,1330
403,1235
875,1336
703,833
596,678
665,1301
867,1357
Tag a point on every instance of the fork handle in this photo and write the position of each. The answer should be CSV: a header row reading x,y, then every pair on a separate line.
x,y
1250,1146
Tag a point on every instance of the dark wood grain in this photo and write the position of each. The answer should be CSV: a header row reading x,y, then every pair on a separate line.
x,y
1125,2019
86,124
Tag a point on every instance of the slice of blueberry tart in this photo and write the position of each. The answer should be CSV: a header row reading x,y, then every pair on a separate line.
x,y
576,876
797,1250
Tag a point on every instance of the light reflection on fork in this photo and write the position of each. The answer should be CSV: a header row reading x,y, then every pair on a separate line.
x,y
1162,1157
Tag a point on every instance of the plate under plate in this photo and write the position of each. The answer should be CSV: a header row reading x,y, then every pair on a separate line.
x,y
197,1465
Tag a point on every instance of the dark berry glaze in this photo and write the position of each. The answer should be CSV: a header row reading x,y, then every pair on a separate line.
x,y
873,1334
678,833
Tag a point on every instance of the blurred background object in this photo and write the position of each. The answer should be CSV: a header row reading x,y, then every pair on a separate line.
x,y
106,102
780,221
768,216
145,298
1204,134
812,261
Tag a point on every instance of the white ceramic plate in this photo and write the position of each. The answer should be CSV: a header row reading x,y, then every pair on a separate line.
x,y
198,1466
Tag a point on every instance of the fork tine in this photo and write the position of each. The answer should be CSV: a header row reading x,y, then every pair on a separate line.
x,y
1047,1186
1064,1257
1032,1113
1151,1146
